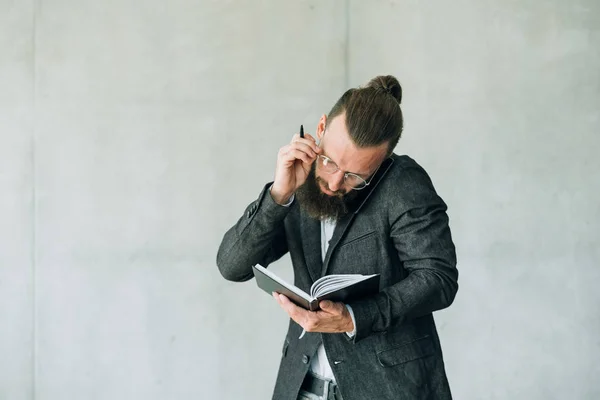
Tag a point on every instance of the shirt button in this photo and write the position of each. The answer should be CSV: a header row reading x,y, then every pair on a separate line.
x,y
305,359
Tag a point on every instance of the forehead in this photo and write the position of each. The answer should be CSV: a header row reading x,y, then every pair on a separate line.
x,y
338,146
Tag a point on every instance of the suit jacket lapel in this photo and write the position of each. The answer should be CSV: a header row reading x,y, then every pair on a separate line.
x,y
344,222
311,244
338,233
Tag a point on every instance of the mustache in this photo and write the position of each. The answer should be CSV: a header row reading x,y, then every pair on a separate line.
x,y
337,193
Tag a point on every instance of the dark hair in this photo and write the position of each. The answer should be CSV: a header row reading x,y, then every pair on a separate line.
x,y
373,114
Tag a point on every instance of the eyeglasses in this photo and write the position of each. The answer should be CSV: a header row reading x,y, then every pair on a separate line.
x,y
352,180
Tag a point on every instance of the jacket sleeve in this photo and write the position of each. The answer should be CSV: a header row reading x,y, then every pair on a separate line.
x,y
257,238
421,236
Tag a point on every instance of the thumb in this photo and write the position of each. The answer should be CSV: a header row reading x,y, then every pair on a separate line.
x,y
327,305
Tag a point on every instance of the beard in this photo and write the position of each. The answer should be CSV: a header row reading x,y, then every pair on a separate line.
x,y
319,205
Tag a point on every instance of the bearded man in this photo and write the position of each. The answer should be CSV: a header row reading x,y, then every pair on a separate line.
x,y
343,203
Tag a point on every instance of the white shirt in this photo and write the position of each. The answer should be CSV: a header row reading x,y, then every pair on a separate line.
x,y
319,364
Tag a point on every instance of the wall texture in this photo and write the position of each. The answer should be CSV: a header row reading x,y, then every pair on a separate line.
x,y
16,200
133,134
502,107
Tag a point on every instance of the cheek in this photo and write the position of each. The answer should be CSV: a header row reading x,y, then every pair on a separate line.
x,y
320,180
322,184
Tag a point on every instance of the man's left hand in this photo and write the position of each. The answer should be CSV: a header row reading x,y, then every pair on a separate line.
x,y
333,317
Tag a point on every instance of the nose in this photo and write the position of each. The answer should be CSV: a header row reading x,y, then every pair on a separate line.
x,y
336,182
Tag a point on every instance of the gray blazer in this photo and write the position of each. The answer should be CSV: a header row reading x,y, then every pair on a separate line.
x,y
397,227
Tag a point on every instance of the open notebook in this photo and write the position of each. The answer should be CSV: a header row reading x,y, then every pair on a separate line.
x,y
342,287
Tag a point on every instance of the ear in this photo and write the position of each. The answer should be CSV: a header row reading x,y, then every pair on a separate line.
x,y
321,127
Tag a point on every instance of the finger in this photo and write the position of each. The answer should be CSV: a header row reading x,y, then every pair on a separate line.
x,y
289,155
305,145
295,312
285,302
308,141
308,136
311,138
326,305
295,154
279,301
330,307
306,167
287,150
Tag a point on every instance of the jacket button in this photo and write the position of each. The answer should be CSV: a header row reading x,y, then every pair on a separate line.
x,y
252,210
305,359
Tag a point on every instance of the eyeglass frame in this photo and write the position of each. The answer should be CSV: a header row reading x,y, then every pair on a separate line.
x,y
346,174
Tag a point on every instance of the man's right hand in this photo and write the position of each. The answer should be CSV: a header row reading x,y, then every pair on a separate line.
x,y
293,166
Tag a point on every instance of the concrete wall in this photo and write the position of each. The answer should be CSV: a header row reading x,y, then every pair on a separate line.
x,y
133,134
17,240
502,107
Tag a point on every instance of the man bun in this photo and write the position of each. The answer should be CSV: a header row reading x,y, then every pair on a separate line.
x,y
388,84
372,112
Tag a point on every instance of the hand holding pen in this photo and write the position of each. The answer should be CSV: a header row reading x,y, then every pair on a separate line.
x,y
294,161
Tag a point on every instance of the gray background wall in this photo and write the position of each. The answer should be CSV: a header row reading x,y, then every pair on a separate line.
x,y
133,134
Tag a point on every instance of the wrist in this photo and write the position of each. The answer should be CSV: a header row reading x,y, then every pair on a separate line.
x,y
350,325
280,197
351,330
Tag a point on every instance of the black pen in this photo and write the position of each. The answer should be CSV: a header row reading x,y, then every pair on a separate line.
x,y
301,131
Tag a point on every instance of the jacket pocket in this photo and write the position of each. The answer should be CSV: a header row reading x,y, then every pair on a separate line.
x,y
360,254
358,238
406,352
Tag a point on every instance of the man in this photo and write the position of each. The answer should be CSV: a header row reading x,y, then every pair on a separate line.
x,y
347,205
